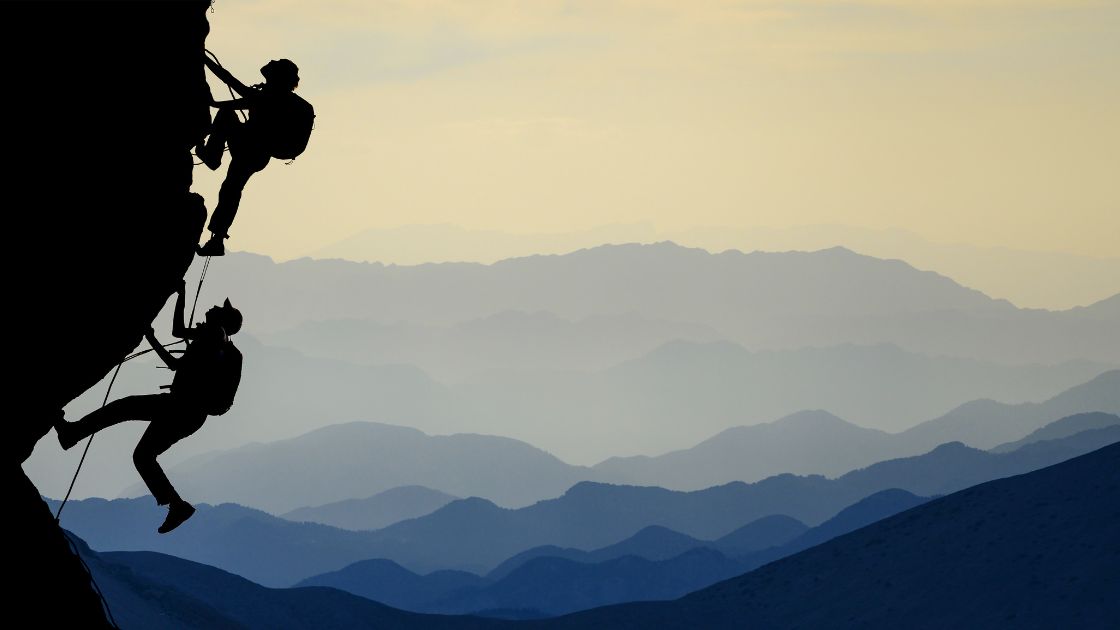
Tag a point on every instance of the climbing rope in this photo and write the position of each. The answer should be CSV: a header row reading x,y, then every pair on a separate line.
x,y
232,96
88,442
198,290
92,581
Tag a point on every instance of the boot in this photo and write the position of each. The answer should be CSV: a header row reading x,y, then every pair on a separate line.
x,y
213,247
178,512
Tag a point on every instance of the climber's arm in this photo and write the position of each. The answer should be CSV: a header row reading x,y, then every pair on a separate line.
x,y
226,77
162,352
240,103
178,328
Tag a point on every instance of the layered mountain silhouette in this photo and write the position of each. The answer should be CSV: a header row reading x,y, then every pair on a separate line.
x,y
1037,278
356,459
1046,538
763,300
1065,427
819,443
987,424
552,585
509,340
147,589
655,563
864,512
153,590
380,510
805,443
660,543
476,535
882,575
389,583
548,586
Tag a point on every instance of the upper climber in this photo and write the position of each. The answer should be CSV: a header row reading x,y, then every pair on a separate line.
x,y
279,126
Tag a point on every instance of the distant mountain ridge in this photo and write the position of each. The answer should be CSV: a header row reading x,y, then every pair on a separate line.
x,y
380,510
952,548
1071,425
655,563
582,417
1066,278
357,460
341,461
949,551
760,299
817,442
152,590
451,353
660,543
475,535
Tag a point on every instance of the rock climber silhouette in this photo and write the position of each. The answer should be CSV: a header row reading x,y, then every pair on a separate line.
x,y
206,380
279,125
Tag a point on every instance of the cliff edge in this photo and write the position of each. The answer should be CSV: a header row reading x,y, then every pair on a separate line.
x,y
104,102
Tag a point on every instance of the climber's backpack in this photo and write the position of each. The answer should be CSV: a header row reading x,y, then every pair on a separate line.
x,y
209,375
285,124
223,378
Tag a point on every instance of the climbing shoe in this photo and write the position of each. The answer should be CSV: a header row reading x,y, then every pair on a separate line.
x,y
212,159
213,247
177,513
67,434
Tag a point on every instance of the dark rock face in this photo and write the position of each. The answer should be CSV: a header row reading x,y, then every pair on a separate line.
x,y
104,103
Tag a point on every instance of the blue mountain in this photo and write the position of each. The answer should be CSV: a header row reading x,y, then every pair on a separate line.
x,y
1065,427
476,535
553,586
660,543
656,563
380,510
151,590
1037,550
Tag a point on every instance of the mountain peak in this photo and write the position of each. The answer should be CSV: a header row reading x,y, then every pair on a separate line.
x,y
812,418
953,447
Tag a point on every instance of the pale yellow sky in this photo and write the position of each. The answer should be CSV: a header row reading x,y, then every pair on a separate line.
x,y
993,123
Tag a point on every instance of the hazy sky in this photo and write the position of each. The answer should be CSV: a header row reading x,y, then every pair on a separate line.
x,y
981,122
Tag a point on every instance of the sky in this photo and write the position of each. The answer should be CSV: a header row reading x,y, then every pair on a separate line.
x,y
969,122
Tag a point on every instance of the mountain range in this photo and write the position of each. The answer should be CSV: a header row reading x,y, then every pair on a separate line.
x,y
762,300
655,563
1030,279
507,340
356,459
153,590
359,459
476,535
1047,539
817,442
928,567
380,510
